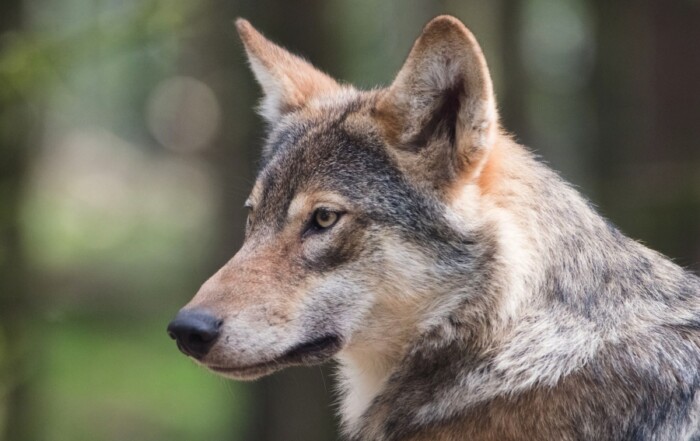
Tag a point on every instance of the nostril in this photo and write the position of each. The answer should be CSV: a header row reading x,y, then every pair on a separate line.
x,y
198,338
195,332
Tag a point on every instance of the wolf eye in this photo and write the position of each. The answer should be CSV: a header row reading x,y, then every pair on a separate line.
x,y
324,218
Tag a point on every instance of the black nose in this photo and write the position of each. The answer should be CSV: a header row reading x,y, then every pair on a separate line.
x,y
195,332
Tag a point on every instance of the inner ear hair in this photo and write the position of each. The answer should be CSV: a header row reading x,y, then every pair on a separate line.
x,y
442,120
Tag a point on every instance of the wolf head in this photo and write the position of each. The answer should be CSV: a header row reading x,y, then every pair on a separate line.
x,y
365,204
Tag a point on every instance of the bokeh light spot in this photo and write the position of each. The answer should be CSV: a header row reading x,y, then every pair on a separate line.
x,y
183,114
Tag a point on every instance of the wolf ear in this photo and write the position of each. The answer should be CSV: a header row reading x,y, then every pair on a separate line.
x,y
441,109
288,81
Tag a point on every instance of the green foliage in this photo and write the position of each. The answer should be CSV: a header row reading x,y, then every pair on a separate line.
x,y
33,60
117,380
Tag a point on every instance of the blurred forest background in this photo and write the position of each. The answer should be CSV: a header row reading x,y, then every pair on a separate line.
x,y
128,144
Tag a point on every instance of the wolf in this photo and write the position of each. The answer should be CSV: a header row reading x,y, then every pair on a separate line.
x,y
466,291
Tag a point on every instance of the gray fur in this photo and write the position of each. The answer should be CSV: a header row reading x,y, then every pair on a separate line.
x,y
498,304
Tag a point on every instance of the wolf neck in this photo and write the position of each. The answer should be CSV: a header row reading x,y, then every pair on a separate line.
x,y
365,368
515,200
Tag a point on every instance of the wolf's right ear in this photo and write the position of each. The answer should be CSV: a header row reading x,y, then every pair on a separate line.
x,y
288,81
440,111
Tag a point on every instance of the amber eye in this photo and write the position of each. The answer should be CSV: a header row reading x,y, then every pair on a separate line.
x,y
324,218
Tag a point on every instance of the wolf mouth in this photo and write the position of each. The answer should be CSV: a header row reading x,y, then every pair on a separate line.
x,y
310,352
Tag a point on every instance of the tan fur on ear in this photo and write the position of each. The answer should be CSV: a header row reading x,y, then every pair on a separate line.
x,y
287,80
443,84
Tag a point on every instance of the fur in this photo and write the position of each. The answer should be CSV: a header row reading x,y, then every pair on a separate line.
x,y
466,291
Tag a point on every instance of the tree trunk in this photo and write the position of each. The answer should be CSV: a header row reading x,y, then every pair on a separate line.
x,y
647,104
15,424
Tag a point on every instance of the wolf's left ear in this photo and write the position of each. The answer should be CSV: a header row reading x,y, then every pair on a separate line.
x,y
440,111
288,81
